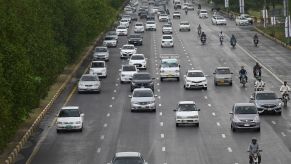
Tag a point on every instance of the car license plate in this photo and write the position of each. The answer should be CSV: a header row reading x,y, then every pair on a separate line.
x,y
69,127
221,81
246,124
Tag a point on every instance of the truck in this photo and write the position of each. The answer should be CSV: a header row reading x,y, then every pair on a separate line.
x,y
169,66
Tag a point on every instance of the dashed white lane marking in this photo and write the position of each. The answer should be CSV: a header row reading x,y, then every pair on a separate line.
x,y
102,137
159,90
159,97
160,104
218,124
205,97
117,79
158,83
108,115
209,105
192,68
189,60
105,125
213,114
163,148
187,56
162,135
191,64
184,50
113,98
223,135
161,113
283,134
98,150
229,149
161,124
273,122
116,84
110,106
236,163
114,91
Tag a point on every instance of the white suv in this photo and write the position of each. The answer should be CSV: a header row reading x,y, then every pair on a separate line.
x,y
138,60
184,25
138,27
167,41
195,79
151,25
187,113
127,50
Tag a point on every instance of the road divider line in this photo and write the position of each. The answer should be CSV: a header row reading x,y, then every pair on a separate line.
x,y
105,125
108,115
209,105
213,113
102,137
162,135
164,149
99,150
161,113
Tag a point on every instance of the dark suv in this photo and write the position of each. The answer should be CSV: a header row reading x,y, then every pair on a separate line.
x,y
142,79
135,39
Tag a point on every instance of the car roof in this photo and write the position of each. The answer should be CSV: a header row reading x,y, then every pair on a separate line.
x,y
194,70
126,154
222,68
137,55
70,107
186,102
244,104
264,92
142,89
167,35
184,22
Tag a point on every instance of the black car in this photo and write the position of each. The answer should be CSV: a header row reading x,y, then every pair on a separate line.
x,y
142,79
143,14
134,17
135,39
150,17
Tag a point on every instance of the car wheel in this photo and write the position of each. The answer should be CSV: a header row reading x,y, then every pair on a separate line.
x,y
258,129
197,124
215,83
58,131
185,87
80,130
178,78
189,30
232,128
230,84
154,110
279,113
80,92
177,124
121,82
205,88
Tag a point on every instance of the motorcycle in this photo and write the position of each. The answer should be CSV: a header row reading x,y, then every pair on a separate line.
x,y
221,40
257,74
256,42
243,80
203,40
255,158
285,98
233,43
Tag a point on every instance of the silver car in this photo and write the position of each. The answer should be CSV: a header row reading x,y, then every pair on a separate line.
x,y
143,99
128,158
244,116
101,53
267,102
89,83
222,75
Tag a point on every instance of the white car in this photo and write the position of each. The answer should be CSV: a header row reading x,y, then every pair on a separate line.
x,y
143,99
187,113
127,50
138,27
185,5
101,53
190,7
124,22
218,20
121,30
155,9
98,68
203,13
127,72
169,67
109,41
163,18
184,25
126,17
195,79
151,25
176,14
112,34
167,29
241,21
167,41
248,17
70,118
138,60
128,158
89,83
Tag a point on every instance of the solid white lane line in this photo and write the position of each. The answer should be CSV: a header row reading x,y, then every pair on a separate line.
x,y
102,137
98,150
161,124
163,148
209,105
229,149
161,113
273,122
108,115
213,113
283,134
223,135
105,125
162,135
218,124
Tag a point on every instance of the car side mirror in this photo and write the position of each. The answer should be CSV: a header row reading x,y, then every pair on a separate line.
x,y
179,66
153,78
130,96
175,110
230,112
198,109
156,95
82,114
119,70
214,73
252,98
185,76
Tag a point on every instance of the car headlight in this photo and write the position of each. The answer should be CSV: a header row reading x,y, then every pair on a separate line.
x,y
122,75
133,83
188,81
163,41
151,83
95,85
179,117
280,104
152,102
81,85
235,119
257,119
78,122
59,123
204,81
177,71
134,103
162,71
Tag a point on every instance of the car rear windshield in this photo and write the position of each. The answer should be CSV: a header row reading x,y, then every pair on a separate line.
x,y
266,96
109,38
128,160
137,57
89,78
135,36
129,68
195,74
184,23
167,37
128,47
150,22
144,93
167,25
138,24
69,113
121,27
98,64
203,12
141,76
245,110
187,107
101,49
169,64
223,71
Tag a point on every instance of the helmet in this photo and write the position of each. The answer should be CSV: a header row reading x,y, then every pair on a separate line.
x,y
242,67
254,140
221,32
285,82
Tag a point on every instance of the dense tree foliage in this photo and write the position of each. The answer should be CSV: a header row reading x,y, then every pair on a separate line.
x,y
38,39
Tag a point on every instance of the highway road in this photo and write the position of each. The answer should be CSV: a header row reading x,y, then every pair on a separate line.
x,y
110,127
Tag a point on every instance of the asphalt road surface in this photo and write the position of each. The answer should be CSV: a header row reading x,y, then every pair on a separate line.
x,y
110,127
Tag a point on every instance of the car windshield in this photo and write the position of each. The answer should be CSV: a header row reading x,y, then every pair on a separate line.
x,y
169,64
128,160
195,74
89,78
176,12
98,64
245,110
184,23
223,71
142,76
135,36
266,96
101,49
128,47
123,20
128,68
187,107
121,27
138,24
167,37
137,57
109,38
167,25
69,113
219,18
143,93
150,22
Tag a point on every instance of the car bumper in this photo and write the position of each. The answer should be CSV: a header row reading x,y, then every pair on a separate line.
x,y
100,74
244,125
135,42
89,89
151,28
167,44
69,127
143,107
184,28
167,31
195,85
223,81
110,44
142,86
187,121
121,33
169,75
138,30
221,23
269,110
101,57
140,66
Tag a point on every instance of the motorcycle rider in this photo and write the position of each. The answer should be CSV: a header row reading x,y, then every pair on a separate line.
x,y
256,38
285,89
186,10
256,68
199,29
203,36
221,36
243,72
259,84
232,39
254,148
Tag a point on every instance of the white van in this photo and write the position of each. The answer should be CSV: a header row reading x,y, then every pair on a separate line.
x,y
169,67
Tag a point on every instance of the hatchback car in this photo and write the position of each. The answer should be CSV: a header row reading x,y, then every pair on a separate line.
x,y
195,79
98,68
244,116
128,158
266,102
89,83
222,75
126,72
101,53
70,118
142,99
167,41
135,39
142,79
138,60
187,113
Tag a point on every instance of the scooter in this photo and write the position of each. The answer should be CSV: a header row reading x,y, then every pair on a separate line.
x,y
221,40
285,98
257,74
243,80
203,40
199,32
255,158
233,43
256,42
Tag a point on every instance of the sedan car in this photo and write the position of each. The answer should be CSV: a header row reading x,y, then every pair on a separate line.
x,y
187,113
167,41
138,27
218,20
101,53
112,34
127,72
142,99
151,25
184,26
241,21
135,39
163,18
70,118
142,79
124,22
244,116
98,68
121,30
127,50
266,102
195,79
138,60
167,29
222,75
177,15
89,83
110,41
128,158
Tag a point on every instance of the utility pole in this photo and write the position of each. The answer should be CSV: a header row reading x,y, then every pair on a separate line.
x,y
264,12
288,22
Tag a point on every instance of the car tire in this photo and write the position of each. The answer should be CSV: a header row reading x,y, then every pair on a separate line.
x,y
233,129
177,124
215,83
178,78
279,113
58,131
230,84
185,87
154,110
205,88
197,124
162,79
80,130
121,82
258,129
